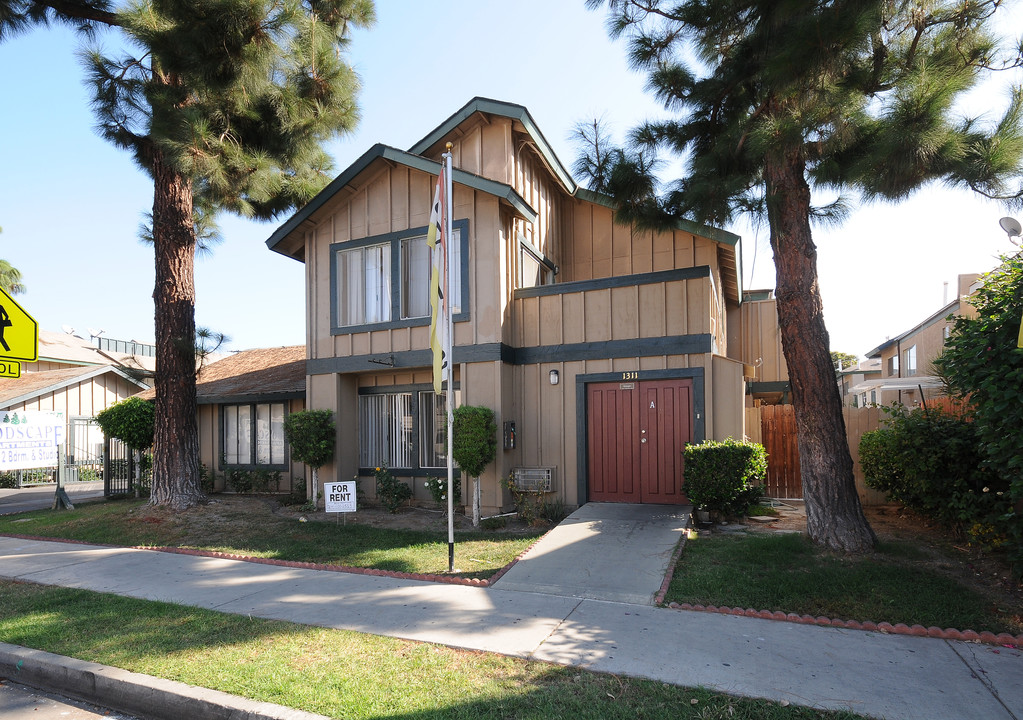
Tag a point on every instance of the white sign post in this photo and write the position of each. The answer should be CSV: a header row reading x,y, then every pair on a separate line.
x,y
339,497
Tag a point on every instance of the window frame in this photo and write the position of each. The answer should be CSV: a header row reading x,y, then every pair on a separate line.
x,y
416,408
223,463
397,275
909,358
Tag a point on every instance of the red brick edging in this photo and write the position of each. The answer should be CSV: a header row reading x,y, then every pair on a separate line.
x,y
988,637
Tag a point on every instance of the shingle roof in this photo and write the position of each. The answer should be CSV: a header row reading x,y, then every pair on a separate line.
x,y
263,373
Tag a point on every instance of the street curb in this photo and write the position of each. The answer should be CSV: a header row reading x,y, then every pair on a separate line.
x,y
134,693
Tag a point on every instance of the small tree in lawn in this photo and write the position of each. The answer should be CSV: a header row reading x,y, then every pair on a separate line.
x,y
132,421
311,436
474,446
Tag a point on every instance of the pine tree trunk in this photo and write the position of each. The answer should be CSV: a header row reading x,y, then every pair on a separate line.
x,y
176,437
834,517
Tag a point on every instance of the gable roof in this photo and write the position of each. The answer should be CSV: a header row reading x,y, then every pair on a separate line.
x,y
505,193
251,375
14,391
502,109
729,258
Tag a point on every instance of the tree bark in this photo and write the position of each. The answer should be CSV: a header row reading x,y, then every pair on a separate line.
x,y
176,437
834,516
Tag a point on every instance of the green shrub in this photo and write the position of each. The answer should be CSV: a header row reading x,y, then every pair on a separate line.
x,y
8,480
391,492
725,477
931,461
240,481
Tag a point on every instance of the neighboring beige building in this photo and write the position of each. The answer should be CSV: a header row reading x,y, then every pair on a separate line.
x,y
74,377
858,383
601,349
906,360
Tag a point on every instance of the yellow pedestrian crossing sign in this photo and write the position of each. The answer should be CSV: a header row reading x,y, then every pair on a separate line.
x,y
19,332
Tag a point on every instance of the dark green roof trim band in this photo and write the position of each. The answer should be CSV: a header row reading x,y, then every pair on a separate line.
x,y
711,233
381,151
249,399
651,278
500,352
501,109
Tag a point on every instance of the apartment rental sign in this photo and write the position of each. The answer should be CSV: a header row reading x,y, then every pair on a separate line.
x,y
29,439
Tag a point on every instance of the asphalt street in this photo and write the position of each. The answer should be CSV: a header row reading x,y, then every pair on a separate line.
x,y
40,497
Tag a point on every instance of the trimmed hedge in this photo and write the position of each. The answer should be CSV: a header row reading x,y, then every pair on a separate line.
x,y
725,477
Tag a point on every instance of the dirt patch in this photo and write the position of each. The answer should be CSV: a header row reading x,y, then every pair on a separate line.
x,y
936,548
224,511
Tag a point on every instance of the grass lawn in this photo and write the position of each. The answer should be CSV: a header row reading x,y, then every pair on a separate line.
x,y
342,674
900,582
251,529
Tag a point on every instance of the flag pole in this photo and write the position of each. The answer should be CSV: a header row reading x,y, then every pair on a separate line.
x,y
449,344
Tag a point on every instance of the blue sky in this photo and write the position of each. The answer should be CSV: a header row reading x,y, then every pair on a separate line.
x,y
71,204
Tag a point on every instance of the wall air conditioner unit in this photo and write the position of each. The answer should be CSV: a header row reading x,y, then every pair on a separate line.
x,y
534,479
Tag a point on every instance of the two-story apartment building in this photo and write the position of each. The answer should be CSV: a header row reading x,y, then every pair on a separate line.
x,y
602,349
906,369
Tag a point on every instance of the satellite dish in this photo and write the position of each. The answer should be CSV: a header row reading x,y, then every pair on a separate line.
x,y
68,329
96,333
1011,227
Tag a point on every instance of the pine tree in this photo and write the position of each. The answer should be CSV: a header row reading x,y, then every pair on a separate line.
x,y
226,104
772,98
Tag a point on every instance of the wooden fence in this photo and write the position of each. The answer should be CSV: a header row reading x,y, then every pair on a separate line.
x,y
774,426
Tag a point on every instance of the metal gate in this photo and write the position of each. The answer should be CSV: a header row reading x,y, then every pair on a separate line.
x,y
84,451
118,467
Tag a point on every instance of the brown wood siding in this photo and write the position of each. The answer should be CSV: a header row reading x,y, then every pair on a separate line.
x,y
760,343
676,307
392,200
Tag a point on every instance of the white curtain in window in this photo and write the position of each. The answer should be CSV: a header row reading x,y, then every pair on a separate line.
x,y
416,268
364,285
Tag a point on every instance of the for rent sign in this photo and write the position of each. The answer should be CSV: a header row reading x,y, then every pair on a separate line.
x,y
29,439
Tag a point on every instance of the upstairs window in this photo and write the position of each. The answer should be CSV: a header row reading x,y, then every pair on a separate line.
x,y
385,280
364,283
910,357
893,366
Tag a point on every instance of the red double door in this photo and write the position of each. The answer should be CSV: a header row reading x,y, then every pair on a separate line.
x,y
635,435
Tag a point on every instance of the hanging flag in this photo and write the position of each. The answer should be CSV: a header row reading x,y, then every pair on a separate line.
x,y
435,241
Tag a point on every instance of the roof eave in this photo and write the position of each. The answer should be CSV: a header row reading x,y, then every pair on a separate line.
x,y
380,151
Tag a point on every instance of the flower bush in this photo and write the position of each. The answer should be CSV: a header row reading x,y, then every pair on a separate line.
x,y
438,487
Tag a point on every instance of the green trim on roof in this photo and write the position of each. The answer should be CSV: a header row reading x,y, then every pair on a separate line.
x,y
502,109
381,151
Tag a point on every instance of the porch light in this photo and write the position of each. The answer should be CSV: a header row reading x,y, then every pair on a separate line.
x,y
554,377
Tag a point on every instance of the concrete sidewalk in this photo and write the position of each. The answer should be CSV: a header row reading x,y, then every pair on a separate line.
x,y
885,676
603,551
